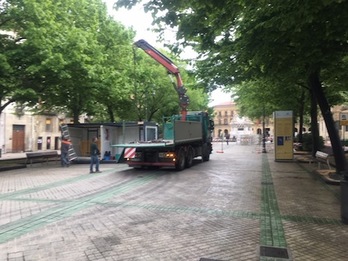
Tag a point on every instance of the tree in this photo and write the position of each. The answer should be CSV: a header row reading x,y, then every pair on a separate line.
x,y
67,55
70,57
240,41
114,71
154,93
50,50
17,52
79,56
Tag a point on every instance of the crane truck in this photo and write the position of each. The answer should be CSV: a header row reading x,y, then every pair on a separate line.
x,y
185,136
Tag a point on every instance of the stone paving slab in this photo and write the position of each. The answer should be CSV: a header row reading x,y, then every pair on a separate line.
x,y
241,205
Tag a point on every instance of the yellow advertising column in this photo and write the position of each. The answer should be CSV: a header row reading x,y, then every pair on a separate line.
x,y
283,135
344,123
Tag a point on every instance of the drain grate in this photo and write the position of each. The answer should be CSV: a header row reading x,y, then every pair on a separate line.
x,y
267,183
275,252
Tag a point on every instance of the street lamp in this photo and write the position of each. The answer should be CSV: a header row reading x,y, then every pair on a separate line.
x,y
263,132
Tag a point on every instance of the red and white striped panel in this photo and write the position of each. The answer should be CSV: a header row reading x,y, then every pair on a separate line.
x,y
129,152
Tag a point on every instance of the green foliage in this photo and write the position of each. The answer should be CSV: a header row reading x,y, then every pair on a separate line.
x,y
74,58
266,52
154,93
272,43
344,142
307,141
240,40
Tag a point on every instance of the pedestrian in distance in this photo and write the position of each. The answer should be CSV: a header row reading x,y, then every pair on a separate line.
x,y
64,152
94,156
227,138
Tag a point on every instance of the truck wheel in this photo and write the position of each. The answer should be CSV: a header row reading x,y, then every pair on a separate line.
x,y
180,160
189,157
206,154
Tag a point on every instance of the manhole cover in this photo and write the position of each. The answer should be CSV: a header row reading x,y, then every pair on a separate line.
x,y
274,252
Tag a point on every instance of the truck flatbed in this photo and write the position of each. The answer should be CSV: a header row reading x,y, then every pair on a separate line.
x,y
145,144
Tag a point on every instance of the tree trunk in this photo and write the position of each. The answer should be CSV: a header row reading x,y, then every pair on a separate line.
x,y
301,112
317,90
76,116
314,124
111,114
4,105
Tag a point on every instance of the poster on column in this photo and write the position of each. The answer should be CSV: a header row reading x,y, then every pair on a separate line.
x,y
283,135
344,118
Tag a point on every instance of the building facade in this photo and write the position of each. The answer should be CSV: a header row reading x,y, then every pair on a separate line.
x,y
340,117
22,131
25,131
228,121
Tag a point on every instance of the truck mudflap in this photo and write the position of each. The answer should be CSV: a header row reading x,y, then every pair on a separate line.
x,y
140,164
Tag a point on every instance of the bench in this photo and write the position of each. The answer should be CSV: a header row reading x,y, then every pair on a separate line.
x,y
41,155
322,157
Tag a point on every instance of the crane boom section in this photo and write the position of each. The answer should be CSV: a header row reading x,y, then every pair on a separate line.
x,y
171,68
159,57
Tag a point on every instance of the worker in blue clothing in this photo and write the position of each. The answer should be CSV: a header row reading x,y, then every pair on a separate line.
x,y
64,152
94,156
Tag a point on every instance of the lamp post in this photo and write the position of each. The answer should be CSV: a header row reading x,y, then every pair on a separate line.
x,y
263,132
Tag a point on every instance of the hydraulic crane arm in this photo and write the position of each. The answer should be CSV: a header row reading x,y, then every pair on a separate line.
x,y
172,69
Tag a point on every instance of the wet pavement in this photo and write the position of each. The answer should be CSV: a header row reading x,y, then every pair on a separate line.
x,y
241,205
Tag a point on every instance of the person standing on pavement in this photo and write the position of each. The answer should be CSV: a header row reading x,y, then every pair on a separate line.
x,y
94,156
227,138
64,152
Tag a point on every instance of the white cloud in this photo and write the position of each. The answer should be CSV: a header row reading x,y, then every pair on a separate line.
x,y
135,18
218,96
141,22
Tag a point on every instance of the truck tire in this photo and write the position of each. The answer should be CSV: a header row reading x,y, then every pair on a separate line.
x,y
180,160
206,154
189,157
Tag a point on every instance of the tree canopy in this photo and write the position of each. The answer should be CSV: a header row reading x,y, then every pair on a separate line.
x,y
240,43
72,57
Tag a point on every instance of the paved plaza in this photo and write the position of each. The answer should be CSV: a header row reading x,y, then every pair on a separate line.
x,y
240,205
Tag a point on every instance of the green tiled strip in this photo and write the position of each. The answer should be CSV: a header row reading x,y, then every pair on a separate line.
x,y
313,220
65,209
191,210
224,213
48,186
272,232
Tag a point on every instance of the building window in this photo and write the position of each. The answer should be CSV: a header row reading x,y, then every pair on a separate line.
x,y
225,121
48,125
